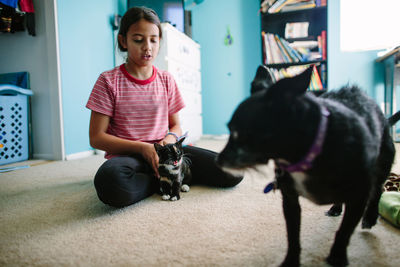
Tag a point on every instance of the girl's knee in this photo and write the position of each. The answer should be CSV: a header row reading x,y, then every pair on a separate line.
x,y
119,185
231,181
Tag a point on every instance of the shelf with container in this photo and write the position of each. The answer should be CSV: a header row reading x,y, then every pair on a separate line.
x,y
296,38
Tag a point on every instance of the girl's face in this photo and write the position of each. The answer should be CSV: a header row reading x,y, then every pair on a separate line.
x,y
142,42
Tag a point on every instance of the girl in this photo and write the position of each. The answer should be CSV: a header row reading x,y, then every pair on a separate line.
x,y
134,106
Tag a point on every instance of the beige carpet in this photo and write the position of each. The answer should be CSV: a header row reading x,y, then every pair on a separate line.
x,y
50,216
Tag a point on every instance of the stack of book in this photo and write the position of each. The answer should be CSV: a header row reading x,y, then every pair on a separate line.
x,y
316,83
277,50
276,6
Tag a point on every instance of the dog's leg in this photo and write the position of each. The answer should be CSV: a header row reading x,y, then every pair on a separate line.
x,y
335,210
383,166
352,215
292,213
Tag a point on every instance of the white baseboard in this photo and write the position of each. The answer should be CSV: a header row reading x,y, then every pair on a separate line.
x,y
215,137
80,155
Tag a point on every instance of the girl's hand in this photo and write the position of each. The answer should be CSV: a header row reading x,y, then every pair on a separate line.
x,y
150,155
169,139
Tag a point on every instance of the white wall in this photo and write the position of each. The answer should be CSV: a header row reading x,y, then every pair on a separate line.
x,y
38,55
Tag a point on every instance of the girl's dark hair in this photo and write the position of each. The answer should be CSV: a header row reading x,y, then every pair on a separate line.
x,y
132,16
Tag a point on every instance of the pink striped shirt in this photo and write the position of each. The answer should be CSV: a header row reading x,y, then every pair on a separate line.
x,y
138,109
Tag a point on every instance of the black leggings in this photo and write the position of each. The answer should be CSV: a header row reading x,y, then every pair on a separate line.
x,y
125,180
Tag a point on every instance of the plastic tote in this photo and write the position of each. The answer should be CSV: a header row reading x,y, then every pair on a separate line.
x,y
14,123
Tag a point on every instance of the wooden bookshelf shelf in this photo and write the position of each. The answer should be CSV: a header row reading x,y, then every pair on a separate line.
x,y
302,11
286,65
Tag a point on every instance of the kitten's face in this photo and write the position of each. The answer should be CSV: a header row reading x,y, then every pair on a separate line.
x,y
170,154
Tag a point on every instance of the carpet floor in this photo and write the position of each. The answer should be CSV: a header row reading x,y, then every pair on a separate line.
x,y
50,216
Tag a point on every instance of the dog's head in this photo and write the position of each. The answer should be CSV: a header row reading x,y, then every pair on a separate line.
x,y
261,127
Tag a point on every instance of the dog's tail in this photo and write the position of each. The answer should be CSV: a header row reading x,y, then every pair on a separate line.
x,y
394,118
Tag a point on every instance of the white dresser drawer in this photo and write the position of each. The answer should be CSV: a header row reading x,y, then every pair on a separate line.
x,y
193,124
186,78
177,46
192,102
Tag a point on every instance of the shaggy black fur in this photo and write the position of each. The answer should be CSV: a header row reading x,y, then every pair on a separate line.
x,y
280,122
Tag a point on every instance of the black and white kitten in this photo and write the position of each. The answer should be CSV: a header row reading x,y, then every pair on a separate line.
x,y
174,170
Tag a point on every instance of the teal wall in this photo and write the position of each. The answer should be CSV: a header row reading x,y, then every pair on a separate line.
x,y
226,70
86,50
351,67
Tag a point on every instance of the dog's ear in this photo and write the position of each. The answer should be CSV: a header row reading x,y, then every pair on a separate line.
x,y
262,80
302,81
294,86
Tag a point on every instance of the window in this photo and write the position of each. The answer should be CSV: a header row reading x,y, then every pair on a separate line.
x,y
369,25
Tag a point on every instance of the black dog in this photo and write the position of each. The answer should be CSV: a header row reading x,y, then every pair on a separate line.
x,y
335,148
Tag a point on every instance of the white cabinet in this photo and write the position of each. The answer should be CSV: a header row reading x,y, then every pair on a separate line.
x,y
180,56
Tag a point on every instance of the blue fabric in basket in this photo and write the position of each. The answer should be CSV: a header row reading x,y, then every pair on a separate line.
x,y
20,79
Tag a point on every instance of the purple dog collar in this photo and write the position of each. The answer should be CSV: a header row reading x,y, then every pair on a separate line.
x,y
315,150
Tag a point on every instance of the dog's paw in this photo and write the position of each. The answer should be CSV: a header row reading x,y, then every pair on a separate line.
x,y
337,261
165,197
290,263
334,211
368,223
185,188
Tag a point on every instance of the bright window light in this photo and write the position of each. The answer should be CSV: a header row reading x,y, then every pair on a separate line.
x,y
369,24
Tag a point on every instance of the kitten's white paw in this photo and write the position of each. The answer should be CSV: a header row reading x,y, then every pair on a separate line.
x,y
174,198
185,188
165,197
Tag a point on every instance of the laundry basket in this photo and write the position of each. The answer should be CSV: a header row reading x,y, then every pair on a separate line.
x,y
14,123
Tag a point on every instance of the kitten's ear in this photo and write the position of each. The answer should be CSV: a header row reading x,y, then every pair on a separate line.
x,y
157,146
181,140
262,80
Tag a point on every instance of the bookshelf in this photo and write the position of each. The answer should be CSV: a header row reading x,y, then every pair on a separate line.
x,y
295,37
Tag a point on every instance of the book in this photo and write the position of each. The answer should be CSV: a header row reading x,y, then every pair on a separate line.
x,y
276,5
280,51
323,44
270,59
295,56
323,75
263,47
298,6
276,54
315,82
293,51
284,53
296,30
305,44
317,79
265,5
277,9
